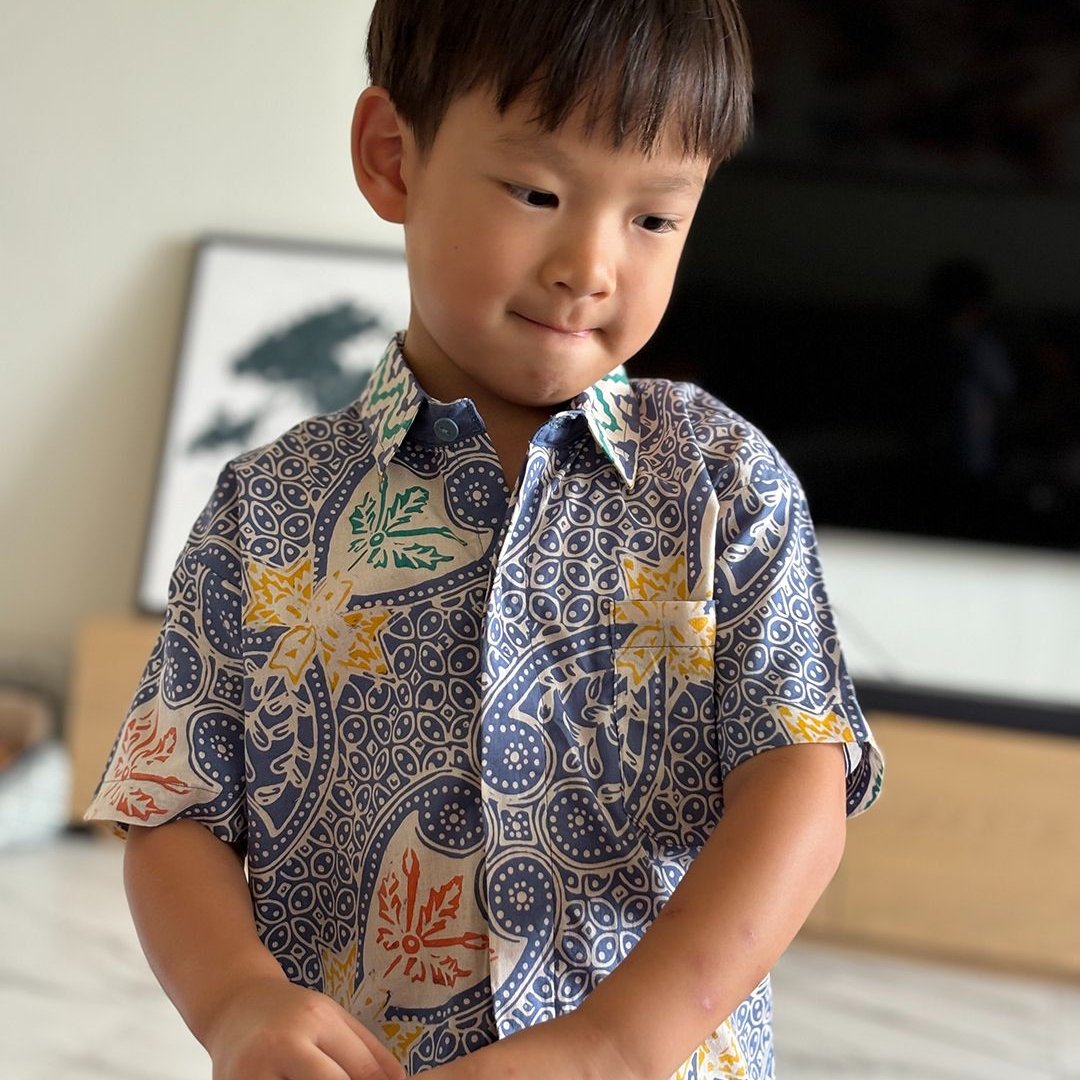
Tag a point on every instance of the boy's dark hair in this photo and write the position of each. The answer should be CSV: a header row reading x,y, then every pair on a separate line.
x,y
631,64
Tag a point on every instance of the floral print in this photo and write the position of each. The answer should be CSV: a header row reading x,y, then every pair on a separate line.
x,y
382,531
136,780
421,936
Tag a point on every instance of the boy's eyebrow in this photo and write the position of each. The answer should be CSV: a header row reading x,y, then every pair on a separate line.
x,y
553,155
664,185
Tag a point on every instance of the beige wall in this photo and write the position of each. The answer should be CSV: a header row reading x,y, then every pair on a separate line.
x,y
131,127
127,129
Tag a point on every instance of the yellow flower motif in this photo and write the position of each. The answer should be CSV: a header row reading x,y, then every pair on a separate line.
x,y
277,597
683,664
339,973
728,1055
719,1055
346,641
368,1006
733,1064
660,625
645,582
805,727
294,652
358,651
666,625
400,1037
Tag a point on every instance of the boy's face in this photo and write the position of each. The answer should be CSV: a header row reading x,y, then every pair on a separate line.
x,y
538,262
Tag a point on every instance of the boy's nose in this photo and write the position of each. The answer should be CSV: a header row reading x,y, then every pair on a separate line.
x,y
583,266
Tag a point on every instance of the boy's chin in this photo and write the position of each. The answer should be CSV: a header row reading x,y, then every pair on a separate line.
x,y
547,401
551,383
544,394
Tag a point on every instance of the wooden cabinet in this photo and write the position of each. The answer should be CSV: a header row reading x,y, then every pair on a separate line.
x,y
972,851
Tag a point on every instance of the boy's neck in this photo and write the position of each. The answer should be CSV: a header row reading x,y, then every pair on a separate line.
x,y
510,426
511,444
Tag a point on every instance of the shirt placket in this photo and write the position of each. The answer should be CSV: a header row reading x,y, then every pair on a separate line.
x,y
519,876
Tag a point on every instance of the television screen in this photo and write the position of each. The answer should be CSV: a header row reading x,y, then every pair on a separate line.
x,y
886,279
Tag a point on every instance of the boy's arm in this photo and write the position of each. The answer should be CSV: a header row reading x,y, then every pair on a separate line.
x,y
737,909
192,910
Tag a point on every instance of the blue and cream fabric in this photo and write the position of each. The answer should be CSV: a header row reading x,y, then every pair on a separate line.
x,y
470,739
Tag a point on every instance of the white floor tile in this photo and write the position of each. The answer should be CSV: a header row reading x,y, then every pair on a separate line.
x,y
77,997
839,1012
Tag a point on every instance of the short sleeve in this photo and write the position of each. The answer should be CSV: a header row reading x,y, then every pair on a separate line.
x,y
180,749
780,672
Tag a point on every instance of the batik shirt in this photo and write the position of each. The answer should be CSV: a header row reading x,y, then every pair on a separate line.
x,y
470,739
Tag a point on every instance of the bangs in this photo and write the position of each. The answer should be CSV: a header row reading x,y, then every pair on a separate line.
x,y
636,68
636,79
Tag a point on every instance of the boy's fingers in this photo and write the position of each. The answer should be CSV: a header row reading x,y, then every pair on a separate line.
x,y
361,1058
324,1069
314,1063
386,1061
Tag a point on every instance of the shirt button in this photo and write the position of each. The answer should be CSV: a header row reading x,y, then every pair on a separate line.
x,y
446,430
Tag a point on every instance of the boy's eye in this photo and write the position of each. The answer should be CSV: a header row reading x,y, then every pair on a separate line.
x,y
653,223
532,197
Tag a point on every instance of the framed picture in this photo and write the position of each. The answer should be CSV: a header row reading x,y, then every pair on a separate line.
x,y
275,331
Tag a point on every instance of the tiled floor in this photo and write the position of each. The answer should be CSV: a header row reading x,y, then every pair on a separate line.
x,y
78,1002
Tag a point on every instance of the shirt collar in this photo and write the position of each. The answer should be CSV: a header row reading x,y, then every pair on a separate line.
x,y
392,398
389,402
611,409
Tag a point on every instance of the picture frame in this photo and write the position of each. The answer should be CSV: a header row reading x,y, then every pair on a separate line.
x,y
275,331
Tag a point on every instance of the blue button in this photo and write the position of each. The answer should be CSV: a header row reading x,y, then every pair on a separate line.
x,y
446,430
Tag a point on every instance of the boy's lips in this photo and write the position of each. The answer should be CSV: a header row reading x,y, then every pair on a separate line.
x,y
558,327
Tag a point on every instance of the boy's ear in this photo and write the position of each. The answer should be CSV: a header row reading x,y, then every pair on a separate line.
x,y
378,146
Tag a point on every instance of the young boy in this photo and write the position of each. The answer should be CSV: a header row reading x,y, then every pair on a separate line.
x,y
478,672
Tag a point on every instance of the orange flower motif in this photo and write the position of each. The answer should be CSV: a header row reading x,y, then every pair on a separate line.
x,y
140,748
417,936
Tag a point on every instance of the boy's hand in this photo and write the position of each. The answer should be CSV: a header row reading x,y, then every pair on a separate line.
x,y
273,1030
564,1049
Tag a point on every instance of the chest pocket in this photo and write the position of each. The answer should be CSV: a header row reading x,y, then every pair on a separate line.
x,y
664,714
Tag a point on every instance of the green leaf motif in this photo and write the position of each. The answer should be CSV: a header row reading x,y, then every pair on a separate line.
x,y
407,504
365,516
609,421
420,557
381,528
